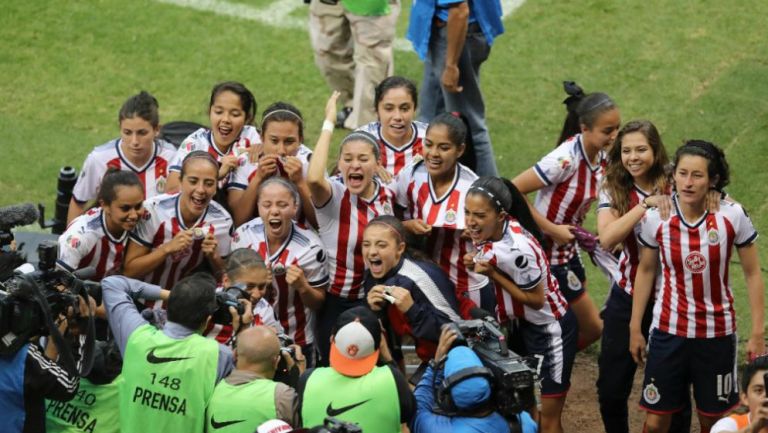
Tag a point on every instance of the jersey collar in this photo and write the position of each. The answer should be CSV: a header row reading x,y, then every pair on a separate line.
x,y
600,155
216,148
124,159
180,218
114,240
276,256
414,137
433,194
682,217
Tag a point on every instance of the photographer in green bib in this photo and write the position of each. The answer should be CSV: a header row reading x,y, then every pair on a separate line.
x,y
169,374
354,388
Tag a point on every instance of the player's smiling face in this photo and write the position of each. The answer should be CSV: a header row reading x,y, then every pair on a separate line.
x,y
636,154
481,220
357,164
198,186
395,111
604,131
227,119
277,208
692,180
125,210
381,249
281,138
440,154
136,138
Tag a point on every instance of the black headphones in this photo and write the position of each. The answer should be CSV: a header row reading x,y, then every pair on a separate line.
x,y
442,392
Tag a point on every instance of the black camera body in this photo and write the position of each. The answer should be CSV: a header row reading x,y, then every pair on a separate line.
x,y
335,425
229,297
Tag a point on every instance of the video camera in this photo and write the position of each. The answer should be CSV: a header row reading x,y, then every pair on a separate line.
x,y
513,379
335,425
229,297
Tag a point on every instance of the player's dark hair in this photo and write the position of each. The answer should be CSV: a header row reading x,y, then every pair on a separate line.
x,y
395,82
192,300
365,137
243,259
277,180
247,101
583,109
503,195
113,179
717,167
198,155
283,112
459,133
751,369
142,105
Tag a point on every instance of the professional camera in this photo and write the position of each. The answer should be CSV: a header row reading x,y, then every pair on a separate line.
x,y
514,379
229,297
335,425
285,344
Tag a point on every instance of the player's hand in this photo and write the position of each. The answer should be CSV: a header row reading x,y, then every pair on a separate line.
x,y
417,227
562,234
759,419
482,267
295,278
662,202
469,261
180,242
228,163
450,79
267,167
755,345
637,346
240,323
375,298
713,200
383,174
293,168
330,107
210,245
403,299
254,152
447,337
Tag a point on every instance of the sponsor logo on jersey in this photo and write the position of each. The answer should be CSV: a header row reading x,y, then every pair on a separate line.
x,y
651,394
696,262
563,162
338,411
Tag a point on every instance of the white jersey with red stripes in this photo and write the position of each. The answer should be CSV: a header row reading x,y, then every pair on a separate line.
x,y
445,214
302,248
162,221
245,171
263,315
87,242
630,252
153,175
693,294
341,223
571,184
521,259
395,158
202,139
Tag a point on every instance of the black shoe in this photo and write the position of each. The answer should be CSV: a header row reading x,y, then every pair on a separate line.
x,y
342,115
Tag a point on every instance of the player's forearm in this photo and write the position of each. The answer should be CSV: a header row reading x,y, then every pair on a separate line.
x,y
456,29
642,287
75,209
140,266
613,233
218,264
173,183
533,298
243,203
306,204
755,288
312,297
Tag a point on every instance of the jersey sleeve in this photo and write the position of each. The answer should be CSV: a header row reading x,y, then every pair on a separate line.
x,y
604,198
88,182
745,229
187,146
314,264
726,424
329,211
520,264
240,238
146,228
556,166
240,176
223,232
73,246
400,187
649,225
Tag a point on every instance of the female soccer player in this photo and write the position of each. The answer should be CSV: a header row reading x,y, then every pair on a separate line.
x,y
415,296
98,238
179,230
400,137
283,155
343,207
295,256
432,194
138,150
509,252
567,181
693,330
231,110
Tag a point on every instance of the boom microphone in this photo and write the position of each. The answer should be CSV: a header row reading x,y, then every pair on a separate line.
x,y
18,215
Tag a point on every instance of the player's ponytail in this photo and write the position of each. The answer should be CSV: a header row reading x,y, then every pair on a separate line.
x,y
504,196
582,109
142,105
717,168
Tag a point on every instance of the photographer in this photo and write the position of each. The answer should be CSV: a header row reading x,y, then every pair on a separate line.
x,y
27,376
249,396
169,374
464,397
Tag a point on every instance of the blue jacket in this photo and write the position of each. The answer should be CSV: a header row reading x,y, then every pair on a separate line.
x,y
12,389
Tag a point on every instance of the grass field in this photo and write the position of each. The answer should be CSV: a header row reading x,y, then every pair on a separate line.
x,y
697,68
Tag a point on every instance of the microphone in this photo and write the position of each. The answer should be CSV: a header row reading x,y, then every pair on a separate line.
x,y
18,214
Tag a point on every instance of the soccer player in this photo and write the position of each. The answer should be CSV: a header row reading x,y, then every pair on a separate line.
x,y
431,193
283,155
230,110
295,256
400,137
693,330
343,206
138,150
98,238
509,251
567,180
179,230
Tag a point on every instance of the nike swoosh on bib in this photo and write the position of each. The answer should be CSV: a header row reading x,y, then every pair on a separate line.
x,y
217,425
152,359
335,412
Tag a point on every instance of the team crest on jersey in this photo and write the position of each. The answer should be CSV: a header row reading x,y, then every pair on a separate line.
x,y
387,209
713,237
450,216
278,269
573,281
160,184
651,394
696,262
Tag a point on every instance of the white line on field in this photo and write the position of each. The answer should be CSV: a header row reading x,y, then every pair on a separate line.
x,y
278,13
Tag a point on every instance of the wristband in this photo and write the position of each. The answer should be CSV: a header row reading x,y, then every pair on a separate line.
x,y
328,125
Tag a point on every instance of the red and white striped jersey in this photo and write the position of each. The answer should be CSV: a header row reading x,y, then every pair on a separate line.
x,y
630,253
571,186
302,248
341,223
153,174
87,242
394,158
203,140
693,294
263,314
242,175
445,214
162,221
520,258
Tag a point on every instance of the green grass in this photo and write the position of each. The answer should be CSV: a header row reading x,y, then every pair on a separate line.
x,y
696,68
